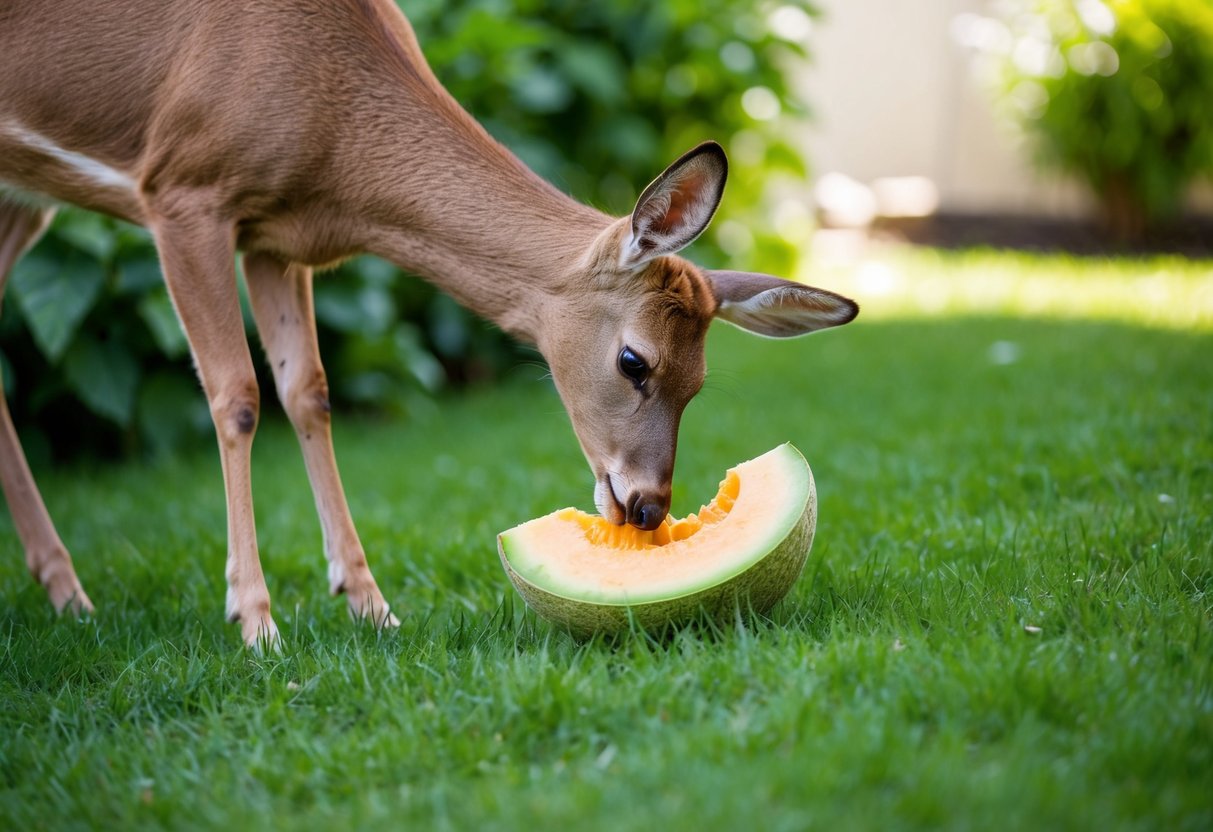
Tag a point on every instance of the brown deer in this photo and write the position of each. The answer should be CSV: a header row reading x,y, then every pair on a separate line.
x,y
301,132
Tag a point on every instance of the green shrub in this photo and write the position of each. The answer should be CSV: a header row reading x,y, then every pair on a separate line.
x,y
1119,93
598,98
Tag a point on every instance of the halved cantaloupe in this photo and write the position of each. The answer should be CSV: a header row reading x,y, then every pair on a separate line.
x,y
747,547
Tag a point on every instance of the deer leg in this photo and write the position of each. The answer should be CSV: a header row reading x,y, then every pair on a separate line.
x,y
45,554
281,297
197,253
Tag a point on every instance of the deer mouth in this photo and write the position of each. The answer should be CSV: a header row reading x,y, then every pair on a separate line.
x,y
608,504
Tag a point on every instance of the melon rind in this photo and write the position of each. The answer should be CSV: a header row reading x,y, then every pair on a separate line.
x,y
757,588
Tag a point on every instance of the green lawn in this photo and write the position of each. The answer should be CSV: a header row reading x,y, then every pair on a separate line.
x,y
1004,624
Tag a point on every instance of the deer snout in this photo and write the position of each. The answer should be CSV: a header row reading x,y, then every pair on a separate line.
x,y
647,511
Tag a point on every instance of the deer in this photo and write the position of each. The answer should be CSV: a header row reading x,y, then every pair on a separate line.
x,y
293,134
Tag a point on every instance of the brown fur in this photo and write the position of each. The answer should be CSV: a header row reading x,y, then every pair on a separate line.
x,y
302,132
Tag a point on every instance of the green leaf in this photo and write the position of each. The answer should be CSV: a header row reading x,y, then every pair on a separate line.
x,y
104,375
54,296
349,308
171,408
91,233
139,275
157,312
449,327
540,90
374,271
631,139
596,70
421,365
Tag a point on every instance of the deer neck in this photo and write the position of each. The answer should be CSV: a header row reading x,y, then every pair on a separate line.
x,y
467,215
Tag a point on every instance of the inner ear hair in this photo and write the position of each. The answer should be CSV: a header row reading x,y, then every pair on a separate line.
x,y
677,206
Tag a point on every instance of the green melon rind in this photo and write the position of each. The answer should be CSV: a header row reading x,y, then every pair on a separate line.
x,y
747,552
758,588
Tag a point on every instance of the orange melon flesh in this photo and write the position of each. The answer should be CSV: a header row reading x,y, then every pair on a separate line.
x,y
601,532
752,539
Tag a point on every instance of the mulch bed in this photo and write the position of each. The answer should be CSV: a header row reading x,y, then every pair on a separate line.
x,y
1191,237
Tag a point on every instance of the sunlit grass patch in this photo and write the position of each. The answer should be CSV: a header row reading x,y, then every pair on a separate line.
x,y
1004,622
1170,292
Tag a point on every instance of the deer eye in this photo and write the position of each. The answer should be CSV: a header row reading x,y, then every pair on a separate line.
x,y
633,366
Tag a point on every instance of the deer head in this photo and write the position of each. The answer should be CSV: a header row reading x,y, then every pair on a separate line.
x,y
625,335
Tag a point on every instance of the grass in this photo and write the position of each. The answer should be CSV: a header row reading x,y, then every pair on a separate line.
x,y
1005,622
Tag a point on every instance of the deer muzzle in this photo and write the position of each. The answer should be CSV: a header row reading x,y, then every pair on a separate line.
x,y
647,510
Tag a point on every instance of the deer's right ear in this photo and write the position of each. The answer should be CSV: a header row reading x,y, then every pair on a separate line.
x,y
677,206
777,308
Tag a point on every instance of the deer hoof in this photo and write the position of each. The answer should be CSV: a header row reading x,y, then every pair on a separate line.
x,y
69,597
260,635
372,608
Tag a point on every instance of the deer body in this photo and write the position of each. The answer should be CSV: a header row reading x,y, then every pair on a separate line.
x,y
301,132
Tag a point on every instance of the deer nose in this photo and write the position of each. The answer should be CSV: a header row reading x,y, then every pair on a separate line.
x,y
647,513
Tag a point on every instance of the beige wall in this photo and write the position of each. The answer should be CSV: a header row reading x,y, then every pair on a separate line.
x,y
894,95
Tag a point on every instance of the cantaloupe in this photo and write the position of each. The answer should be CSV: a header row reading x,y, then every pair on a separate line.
x,y
744,550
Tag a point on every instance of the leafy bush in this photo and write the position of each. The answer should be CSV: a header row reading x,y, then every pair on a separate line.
x,y
596,97
1117,92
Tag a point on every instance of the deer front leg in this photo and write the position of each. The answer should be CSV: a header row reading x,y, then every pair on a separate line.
x,y
281,297
197,253
45,554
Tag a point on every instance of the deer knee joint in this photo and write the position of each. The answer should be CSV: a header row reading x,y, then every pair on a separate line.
x,y
308,402
236,415
246,419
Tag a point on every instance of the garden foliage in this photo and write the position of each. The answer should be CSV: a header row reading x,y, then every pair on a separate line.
x,y
597,98
1116,92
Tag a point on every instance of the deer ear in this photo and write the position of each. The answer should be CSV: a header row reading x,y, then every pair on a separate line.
x,y
677,206
775,307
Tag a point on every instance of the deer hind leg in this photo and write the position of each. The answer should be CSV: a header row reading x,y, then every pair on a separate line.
x,y
281,297
197,253
45,554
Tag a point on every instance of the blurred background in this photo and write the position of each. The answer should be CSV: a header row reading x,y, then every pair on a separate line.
x,y
1073,123
854,128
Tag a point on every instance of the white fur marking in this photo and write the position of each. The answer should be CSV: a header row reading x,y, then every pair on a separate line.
x,y
97,173
614,484
600,497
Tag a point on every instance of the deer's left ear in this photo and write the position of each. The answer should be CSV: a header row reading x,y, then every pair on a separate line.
x,y
677,206
775,307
